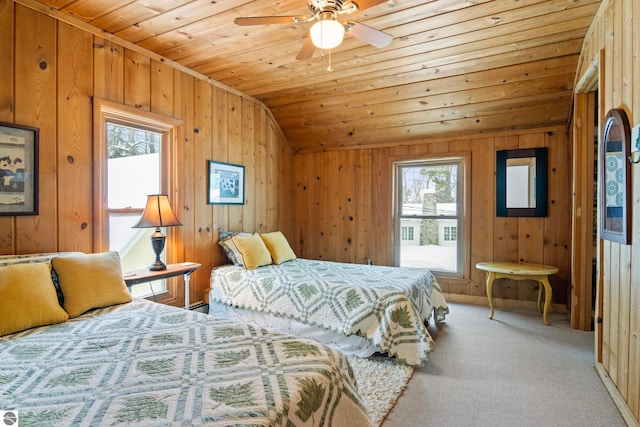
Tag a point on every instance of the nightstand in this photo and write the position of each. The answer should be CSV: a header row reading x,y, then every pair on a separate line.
x,y
142,276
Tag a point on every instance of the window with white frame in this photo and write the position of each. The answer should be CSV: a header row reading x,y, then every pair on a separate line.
x,y
407,233
133,160
430,195
450,234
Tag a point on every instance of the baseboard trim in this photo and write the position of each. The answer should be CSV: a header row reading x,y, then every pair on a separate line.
x,y
618,399
502,302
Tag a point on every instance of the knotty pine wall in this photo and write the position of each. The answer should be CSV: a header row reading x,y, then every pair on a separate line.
x,y
343,209
49,73
615,34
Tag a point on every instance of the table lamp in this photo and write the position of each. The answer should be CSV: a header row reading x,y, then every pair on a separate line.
x,y
157,213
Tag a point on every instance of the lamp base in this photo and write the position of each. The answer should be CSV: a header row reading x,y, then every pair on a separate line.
x,y
157,266
157,242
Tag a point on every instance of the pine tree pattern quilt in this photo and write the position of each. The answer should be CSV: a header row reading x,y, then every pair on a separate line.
x,y
389,306
147,364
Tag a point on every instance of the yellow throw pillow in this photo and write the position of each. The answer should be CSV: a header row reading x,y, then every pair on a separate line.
x,y
90,281
28,298
278,246
254,253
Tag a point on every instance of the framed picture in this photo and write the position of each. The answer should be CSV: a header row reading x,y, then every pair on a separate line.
x,y
18,170
226,184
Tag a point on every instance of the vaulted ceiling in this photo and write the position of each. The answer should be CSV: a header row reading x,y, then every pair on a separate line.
x,y
454,66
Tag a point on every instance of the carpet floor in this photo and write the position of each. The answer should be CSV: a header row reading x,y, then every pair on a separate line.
x,y
510,371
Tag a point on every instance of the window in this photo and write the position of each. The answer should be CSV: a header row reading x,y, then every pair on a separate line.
x,y
429,200
450,234
134,159
133,172
407,233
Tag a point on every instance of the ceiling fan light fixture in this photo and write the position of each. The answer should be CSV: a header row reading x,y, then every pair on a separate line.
x,y
327,33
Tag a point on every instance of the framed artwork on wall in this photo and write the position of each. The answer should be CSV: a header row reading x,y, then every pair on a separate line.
x,y
226,184
18,170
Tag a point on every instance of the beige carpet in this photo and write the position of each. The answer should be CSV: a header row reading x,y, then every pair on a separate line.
x,y
380,383
513,371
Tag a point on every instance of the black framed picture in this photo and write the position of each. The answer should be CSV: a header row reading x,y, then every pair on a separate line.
x,y
226,184
18,170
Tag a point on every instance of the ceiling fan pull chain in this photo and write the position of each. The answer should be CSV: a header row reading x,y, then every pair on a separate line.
x,y
323,56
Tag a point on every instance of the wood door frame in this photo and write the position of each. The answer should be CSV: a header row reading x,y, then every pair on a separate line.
x,y
582,203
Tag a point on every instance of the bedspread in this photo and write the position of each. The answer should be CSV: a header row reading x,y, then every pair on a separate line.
x,y
387,305
146,364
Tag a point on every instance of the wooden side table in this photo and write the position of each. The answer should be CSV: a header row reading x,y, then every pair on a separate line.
x,y
520,271
142,276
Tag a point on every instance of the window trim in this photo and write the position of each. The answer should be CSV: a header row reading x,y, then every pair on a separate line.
x,y
107,111
464,197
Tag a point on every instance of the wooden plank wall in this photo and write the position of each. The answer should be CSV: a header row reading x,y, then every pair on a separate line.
x,y
615,34
343,204
49,75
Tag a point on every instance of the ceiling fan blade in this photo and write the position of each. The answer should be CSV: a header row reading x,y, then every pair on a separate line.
x,y
365,4
307,50
368,34
260,20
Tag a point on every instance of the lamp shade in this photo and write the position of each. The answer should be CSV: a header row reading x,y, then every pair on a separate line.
x,y
327,33
157,213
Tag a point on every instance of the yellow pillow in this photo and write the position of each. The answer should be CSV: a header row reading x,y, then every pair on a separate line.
x,y
254,253
28,298
90,281
278,246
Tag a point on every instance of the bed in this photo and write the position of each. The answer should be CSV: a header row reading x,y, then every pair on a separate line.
x,y
140,363
359,309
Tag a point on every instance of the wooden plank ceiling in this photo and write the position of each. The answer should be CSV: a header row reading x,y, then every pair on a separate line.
x,y
454,66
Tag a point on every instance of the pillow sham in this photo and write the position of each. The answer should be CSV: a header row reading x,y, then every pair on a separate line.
x,y
253,251
28,298
90,281
230,248
278,247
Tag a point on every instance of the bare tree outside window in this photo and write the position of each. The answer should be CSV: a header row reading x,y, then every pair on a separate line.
x,y
126,141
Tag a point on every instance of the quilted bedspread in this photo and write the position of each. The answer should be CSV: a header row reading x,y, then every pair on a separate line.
x,y
387,305
146,364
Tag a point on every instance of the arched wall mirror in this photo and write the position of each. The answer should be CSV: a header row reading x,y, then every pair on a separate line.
x,y
615,195
521,182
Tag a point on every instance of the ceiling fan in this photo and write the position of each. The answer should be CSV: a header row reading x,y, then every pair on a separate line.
x,y
328,32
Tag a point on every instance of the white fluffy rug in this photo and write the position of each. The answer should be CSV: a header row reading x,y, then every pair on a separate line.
x,y
380,383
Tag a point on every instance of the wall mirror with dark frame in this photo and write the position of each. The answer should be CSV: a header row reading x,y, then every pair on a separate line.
x,y
521,182
615,194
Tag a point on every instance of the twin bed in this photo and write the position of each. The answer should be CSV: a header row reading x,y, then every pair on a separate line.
x,y
359,309
139,363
